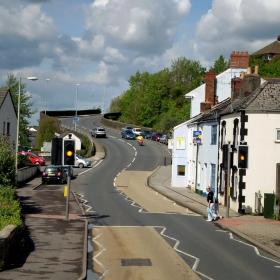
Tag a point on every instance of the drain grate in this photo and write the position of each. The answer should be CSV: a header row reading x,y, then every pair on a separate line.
x,y
136,262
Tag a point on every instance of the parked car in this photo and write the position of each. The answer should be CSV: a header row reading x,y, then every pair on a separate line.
x,y
137,131
98,132
147,134
156,135
33,158
127,134
163,139
127,127
168,136
54,174
82,162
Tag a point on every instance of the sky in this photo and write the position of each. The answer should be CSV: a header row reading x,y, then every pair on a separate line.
x,y
84,52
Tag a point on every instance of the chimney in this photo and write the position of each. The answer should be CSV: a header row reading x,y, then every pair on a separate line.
x,y
250,84
256,70
239,60
244,86
205,107
210,80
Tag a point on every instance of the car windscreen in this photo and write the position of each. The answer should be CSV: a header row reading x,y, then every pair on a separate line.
x,y
101,129
52,169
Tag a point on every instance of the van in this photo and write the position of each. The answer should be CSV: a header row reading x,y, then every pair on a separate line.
x,y
137,131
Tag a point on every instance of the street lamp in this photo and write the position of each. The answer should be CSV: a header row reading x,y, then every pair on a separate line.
x,y
18,115
46,96
76,105
104,93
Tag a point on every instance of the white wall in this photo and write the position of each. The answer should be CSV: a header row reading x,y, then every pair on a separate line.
x,y
223,89
263,155
179,155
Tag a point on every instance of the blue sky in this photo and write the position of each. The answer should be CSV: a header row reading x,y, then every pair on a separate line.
x,y
100,44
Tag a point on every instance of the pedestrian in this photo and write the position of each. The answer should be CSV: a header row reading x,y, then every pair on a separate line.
x,y
210,200
216,207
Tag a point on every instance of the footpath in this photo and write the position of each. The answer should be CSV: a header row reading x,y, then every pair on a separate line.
x,y
56,247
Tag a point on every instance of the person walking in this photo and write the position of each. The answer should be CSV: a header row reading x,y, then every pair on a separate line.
x,y
216,207
210,201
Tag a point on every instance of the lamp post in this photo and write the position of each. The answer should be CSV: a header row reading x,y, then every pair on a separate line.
x,y
104,93
92,102
18,115
46,96
76,105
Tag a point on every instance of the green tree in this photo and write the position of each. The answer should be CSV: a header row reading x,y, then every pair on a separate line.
x,y
220,65
26,110
47,128
270,68
7,162
158,100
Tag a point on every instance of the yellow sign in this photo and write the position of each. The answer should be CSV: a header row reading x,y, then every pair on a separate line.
x,y
65,191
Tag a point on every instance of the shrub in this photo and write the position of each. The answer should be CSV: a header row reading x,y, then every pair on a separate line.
x,y
7,162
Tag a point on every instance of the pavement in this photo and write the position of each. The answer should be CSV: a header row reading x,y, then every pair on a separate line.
x,y
56,243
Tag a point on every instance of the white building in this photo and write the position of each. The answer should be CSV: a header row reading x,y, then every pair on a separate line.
x,y
251,123
8,117
214,90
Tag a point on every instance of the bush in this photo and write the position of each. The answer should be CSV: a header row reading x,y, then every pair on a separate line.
x,y
10,210
7,162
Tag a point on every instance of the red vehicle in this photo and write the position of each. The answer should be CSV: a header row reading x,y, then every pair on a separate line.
x,y
156,135
33,158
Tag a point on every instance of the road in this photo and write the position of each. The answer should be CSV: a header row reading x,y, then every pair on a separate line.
x,y
138,234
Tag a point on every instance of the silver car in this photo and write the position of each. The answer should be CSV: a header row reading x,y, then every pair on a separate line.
x,y
98,132
82,162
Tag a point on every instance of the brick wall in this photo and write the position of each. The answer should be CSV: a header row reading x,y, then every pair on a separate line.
x,y
239,60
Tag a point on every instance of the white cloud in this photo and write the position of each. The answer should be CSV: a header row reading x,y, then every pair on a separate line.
x,y
237,26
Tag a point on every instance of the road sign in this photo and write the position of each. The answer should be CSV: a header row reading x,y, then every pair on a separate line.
x,y
76,119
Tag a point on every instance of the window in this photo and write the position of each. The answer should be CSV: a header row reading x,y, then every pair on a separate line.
x,y
234,185
8,128
213,176
213,134
181,170
277,137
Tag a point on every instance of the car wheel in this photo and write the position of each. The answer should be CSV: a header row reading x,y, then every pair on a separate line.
x,y
80,165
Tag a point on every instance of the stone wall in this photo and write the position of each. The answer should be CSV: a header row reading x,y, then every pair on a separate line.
x,y
8,239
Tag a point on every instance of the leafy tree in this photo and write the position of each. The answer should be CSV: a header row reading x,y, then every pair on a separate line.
x,y
7,162
158,100
270,68
26,110
220,65
47,128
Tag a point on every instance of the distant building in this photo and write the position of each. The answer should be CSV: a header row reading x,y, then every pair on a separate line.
x,y
270,51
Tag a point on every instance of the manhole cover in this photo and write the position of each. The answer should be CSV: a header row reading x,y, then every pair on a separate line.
x,y
136,262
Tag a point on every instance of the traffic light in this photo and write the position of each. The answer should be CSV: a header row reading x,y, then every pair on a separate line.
x,y
242,156
68,152
56,153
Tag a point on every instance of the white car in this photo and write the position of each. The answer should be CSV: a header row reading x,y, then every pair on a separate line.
x,y
137,131
82,162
